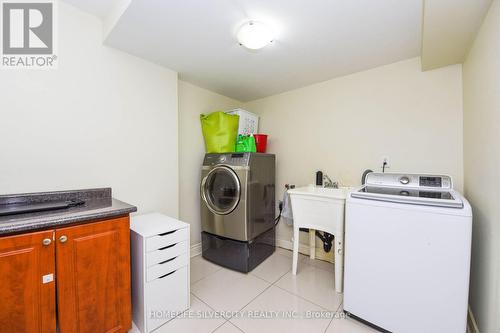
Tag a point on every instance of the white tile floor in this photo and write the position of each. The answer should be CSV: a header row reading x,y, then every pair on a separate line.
x,y
269,299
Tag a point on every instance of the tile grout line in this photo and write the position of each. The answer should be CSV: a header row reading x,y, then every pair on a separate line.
x,y
239,329
281,276
336,312
258,277
223,323
275,284
246,275
328,326
244,306
277,253
218,269
305,299
322,307
270,284
212,309
225,319
195,282
199,299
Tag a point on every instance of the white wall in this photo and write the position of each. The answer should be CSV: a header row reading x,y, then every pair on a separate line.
x,y
481,72
348,124
103,118
192,102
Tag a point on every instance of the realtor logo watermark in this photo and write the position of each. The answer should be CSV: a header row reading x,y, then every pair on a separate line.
x,y
28,34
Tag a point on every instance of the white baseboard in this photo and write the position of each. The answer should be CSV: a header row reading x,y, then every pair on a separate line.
x,y
286,244
471,322
195,250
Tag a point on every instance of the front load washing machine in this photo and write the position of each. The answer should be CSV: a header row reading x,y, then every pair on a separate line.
x,y
237,209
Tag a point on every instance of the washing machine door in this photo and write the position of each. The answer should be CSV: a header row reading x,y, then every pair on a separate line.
x,y
221,190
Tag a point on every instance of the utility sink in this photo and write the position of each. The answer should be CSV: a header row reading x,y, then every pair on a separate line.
x,y
329,192
320,208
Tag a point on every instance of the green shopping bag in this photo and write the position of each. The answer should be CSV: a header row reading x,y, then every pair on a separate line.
x,y
245,144
219,131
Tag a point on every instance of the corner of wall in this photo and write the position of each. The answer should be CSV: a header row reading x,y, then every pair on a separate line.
x,y
114,16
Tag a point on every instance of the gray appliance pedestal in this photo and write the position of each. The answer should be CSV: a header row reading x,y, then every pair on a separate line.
x,y
238,255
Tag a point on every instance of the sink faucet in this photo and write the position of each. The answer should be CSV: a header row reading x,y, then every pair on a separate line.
x,y
328,182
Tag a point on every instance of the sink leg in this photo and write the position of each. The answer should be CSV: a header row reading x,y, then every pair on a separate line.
x,y
339,266
312,244
295,250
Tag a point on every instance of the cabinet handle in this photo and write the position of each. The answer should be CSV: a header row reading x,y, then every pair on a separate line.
x,y
63,238
167,247
46,241
164,262
167,233
161,277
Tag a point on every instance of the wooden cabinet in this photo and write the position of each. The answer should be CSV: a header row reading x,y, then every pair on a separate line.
x,y
90,264
93,277
27,303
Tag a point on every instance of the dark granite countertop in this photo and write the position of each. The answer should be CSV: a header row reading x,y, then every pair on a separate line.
x,y
98,204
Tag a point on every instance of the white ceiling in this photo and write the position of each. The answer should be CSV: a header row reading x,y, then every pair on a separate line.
x,y
317,39
99,8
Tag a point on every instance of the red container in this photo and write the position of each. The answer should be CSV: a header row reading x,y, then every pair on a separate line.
x,y
261,142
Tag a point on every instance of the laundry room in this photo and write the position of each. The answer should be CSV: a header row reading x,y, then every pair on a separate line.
x,y
249,166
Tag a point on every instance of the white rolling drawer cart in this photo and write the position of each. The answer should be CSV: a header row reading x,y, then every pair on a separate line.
x,y
160,269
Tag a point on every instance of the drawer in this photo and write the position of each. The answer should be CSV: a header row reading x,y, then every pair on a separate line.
x,y
168,238
166,267
166,297
165,253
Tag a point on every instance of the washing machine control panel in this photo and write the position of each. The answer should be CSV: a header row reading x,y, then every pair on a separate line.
x,y
409,180
232,159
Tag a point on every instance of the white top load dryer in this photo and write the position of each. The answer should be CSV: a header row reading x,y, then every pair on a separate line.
x,y
407,254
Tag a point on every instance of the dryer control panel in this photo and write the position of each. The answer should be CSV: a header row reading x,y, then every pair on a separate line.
x,y
232,159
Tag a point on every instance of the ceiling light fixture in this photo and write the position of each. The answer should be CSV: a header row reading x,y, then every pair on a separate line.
x,y
254,35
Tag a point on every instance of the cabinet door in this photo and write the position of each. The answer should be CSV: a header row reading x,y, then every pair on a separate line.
x,y
27,287
93,277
